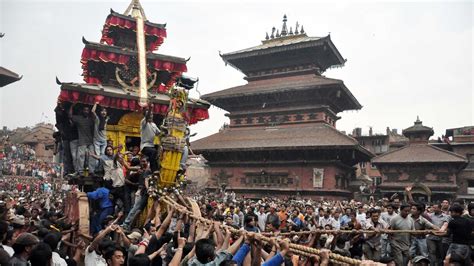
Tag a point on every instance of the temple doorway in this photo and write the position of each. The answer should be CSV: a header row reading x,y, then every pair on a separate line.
x,y
132,141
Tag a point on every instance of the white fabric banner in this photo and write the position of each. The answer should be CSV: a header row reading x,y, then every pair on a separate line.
x,y
318,177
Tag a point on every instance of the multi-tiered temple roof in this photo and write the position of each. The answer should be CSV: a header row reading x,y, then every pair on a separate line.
x,y
7,76
110,69
418,149
287,102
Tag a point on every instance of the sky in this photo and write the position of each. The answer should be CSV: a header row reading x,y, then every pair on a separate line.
x,y
404,59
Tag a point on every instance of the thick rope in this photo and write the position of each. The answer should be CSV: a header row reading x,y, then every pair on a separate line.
x,y
301,250
382,231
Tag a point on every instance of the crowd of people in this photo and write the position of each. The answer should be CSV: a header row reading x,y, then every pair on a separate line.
x,y
36,231
131,224
20,160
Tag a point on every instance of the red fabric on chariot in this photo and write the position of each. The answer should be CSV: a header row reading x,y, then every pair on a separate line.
x,y
115,21
175,68
193,115
97,55
72,207
198,114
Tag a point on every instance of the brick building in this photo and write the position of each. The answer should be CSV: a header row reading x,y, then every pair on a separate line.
x,y
461,141
282,138
431,171
367,174
7,76
41,140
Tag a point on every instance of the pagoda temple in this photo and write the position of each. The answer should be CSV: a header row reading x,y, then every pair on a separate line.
x,y
7,76
110,72
282,138
432,172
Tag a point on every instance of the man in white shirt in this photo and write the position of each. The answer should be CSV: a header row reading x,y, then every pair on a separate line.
x,y
94,251
337,217
262,218
361,216
53,241
387,217
327,219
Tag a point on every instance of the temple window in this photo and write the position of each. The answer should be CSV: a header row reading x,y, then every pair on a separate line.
x,y
470,186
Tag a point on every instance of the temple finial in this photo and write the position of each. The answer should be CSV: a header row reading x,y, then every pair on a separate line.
x,y
418,118
284,30
266,36
302,29
296,28
291,31
278,34
273,33
135,6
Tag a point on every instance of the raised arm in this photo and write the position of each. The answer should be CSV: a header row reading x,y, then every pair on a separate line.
x,y
313,237
157,219
409,195
70,113
100,236
275,248
279,257
225,244
165,224
179,251
192,232
94,108
219,235
235,246
257,247
123,237
93,155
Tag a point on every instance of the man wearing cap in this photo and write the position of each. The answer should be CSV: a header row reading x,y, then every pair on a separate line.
x,y
135,237
421,261
23,246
